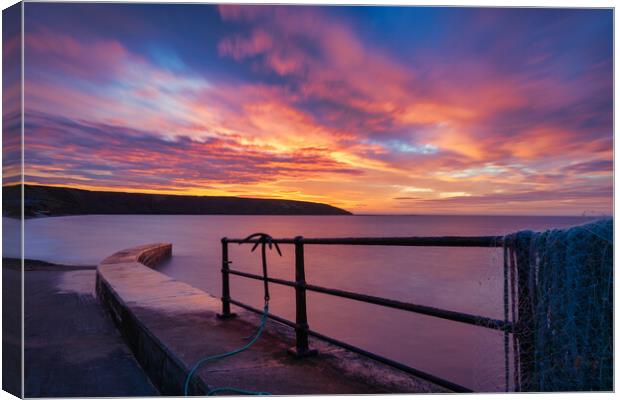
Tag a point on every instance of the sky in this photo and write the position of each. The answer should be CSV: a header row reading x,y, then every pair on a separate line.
x,y
394,110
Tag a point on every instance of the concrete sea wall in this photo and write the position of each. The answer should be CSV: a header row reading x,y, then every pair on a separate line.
x,y
125,282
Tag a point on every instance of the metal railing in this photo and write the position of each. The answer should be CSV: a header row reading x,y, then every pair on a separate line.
x,y
302,329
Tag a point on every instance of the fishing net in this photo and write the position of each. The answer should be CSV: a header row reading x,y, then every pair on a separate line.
x,y
562,281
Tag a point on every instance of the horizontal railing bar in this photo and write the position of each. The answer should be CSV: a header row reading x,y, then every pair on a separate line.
x,y
260,278
455,387
416,308
421,374
256,310
440,241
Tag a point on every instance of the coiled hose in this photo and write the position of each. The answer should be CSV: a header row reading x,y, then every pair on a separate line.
x,y
263,240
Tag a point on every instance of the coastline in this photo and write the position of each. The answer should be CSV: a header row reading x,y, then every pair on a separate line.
x,y
62,201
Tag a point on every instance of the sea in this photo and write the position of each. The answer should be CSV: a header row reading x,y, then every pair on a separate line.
x,y
468,280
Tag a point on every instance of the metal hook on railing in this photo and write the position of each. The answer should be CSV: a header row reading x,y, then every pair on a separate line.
x,y
264,240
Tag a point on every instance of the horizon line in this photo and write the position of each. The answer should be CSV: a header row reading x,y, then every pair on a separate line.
x,y
370,214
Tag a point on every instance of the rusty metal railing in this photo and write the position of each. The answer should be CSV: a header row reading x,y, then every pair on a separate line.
x,y
302,329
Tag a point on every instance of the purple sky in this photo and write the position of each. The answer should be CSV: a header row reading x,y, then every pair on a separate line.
x,y
373,109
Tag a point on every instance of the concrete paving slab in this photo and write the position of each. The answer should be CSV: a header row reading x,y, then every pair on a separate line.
x,y
72,347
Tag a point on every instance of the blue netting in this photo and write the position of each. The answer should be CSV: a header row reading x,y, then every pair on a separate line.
x,y
567,307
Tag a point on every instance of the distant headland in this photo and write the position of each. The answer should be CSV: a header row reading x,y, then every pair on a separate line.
x,y
41,201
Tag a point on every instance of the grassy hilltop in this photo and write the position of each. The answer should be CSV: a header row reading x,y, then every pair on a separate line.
x,y
56,201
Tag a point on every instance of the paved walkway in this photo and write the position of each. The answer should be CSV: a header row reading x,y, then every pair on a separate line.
x,y
72,346
11,327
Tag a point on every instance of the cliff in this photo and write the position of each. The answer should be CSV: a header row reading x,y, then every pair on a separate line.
x,y
57,201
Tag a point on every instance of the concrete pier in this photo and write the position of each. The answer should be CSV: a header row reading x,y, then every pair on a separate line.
x,y
169,325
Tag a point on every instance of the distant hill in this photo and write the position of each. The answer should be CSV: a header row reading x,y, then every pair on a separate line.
x,y
56,201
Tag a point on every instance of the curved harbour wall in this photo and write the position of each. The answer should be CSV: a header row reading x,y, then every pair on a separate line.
x,y
125,282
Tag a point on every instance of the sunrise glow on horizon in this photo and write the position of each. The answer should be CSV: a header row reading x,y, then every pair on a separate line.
x,y
395,110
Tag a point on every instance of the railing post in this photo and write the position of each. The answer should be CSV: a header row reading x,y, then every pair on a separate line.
x,y
301,348
526,328
225,283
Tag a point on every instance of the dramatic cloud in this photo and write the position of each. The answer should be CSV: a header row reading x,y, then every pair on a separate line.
x,y
11,97
140,160
372,109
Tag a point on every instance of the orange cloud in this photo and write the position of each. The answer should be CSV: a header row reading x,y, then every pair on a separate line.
x,y
318,112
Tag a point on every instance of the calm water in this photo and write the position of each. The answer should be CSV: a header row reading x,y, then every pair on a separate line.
x,y
468,280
